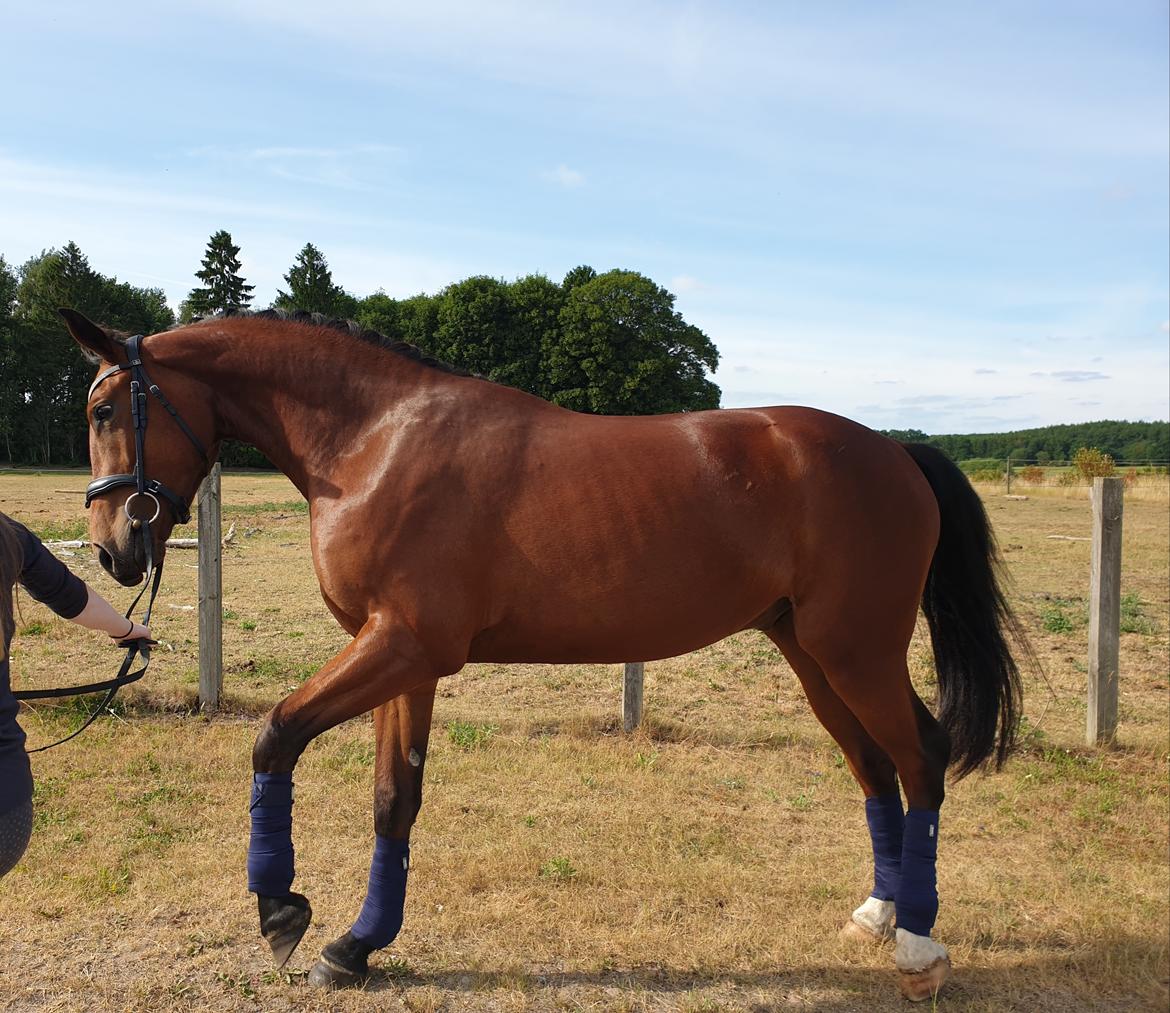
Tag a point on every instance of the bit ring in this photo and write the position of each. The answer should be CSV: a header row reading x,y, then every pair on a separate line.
x,y
137,522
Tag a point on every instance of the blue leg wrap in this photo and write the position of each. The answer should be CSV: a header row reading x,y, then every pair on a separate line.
x,y
884,815
916,905
381,915
270,850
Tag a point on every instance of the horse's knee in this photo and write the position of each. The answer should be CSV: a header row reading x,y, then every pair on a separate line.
x,y
278,746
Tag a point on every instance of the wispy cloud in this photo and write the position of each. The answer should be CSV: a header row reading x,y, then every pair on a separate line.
x,y
986,372
687,283
562,175
349,167
1078,375
1071,375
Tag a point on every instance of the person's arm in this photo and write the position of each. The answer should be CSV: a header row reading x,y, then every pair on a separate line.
x,y
99,614
50,581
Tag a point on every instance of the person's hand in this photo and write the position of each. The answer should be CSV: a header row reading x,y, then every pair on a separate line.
x,y
137,632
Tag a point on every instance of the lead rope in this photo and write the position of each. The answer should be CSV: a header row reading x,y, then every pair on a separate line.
x,y
134,648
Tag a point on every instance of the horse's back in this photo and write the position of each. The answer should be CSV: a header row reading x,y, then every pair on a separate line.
x,y
657,535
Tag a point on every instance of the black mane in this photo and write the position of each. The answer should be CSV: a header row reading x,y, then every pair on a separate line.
x,y
349,327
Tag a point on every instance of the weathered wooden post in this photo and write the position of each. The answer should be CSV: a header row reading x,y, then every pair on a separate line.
x,y
210,592
632,680
1104,611
1008,472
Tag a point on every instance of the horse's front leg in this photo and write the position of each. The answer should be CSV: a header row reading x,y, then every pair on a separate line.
x,y
384,661
401,728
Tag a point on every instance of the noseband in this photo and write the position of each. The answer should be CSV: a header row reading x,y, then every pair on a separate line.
x,y
144,488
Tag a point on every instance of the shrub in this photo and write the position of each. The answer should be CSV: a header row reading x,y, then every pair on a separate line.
x,y
986,475
1090,462
1032,475
980,464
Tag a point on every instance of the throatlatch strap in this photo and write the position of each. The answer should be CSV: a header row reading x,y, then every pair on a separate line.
x,y
381,914
270,848
916,905
884,815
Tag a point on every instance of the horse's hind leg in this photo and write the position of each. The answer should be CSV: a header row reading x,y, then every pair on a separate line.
x,y
874,684
402,728
875,773
382,662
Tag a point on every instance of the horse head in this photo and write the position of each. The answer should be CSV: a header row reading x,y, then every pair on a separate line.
x,y
145,475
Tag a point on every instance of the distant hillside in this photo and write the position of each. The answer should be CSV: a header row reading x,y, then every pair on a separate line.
x,y
1131,442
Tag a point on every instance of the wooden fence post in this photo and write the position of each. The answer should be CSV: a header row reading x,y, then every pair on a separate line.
x,y
210,592
1104,611
632,680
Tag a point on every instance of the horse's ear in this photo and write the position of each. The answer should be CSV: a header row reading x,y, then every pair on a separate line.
x,y
90,337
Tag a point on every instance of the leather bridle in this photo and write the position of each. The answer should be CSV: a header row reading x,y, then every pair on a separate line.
x,y
144,489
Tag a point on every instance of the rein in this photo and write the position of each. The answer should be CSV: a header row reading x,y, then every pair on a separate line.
x,y
151,490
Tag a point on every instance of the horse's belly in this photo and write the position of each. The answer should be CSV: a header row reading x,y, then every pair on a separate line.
x,y
647,619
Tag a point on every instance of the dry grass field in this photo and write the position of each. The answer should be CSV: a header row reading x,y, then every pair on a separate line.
x,y
704,863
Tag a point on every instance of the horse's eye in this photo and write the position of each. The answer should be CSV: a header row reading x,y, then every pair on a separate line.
x,y
103,412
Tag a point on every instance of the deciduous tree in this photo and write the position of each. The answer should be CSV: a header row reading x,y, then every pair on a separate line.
x,y
625,350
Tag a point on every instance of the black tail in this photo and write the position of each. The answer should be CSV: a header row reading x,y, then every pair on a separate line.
x,y
970,622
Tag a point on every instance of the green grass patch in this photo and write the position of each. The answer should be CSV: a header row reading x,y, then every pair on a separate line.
x,y
61,531
558,869
1133,615
79,708
466,735
288,506
1061,615
356,754
279,669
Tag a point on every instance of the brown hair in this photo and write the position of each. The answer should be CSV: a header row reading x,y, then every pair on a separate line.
x,y
10,564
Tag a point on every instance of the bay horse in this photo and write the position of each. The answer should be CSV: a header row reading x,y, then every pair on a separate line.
x,y
457,520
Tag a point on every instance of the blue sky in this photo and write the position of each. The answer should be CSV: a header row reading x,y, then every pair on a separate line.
x,y
953,217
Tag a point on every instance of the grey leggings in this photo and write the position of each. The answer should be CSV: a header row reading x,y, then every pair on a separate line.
x,y
15,831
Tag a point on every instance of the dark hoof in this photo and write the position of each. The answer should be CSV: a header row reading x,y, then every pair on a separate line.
x,y
342,964
283,921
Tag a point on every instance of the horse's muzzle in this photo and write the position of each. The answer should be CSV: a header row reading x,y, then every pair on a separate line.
x,y
125,567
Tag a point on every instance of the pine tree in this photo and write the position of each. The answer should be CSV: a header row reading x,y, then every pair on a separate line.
x,y
310,285
223,286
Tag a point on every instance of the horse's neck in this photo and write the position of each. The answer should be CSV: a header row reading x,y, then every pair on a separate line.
x,y
302,404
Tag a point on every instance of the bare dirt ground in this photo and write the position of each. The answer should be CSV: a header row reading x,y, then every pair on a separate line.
x,y
704,863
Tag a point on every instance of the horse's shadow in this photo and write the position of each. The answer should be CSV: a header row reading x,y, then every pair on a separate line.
x,y
1045,982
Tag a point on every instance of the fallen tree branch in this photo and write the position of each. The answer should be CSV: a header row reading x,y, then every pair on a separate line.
x,y
172,543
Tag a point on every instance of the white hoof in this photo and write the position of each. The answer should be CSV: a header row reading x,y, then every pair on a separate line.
x,y
924,965
872,922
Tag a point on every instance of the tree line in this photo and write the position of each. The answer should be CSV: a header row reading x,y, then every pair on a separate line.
x,y
1128,442
609,343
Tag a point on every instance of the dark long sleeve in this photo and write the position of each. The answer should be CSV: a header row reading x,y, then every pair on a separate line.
x,y
48,580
